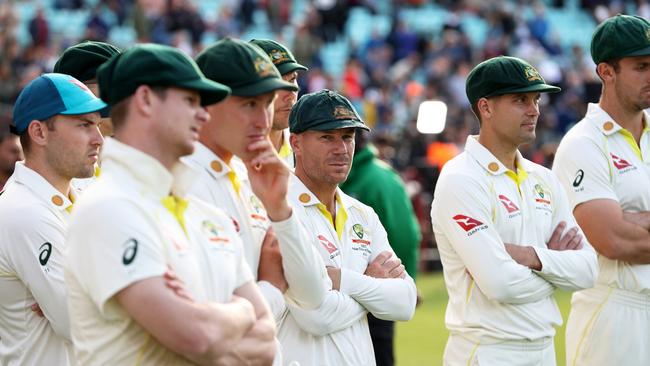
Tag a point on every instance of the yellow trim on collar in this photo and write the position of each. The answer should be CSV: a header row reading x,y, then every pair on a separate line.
x,y
69,208
518,177
341,216
234,180
177,207
627,136
285,150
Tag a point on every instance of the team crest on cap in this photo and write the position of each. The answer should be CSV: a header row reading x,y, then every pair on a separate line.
x,y
263,67
278,56
532,74
647,34
342,112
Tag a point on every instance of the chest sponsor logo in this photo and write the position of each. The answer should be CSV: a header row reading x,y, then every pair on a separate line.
x,y
214,233
328,245
542,195
130,251
358,230
259,212
508,204
470,225
234,222
621,164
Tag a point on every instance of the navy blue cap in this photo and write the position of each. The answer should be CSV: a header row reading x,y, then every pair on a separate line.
x,y
49,95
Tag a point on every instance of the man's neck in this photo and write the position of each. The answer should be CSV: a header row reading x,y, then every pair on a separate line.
x,y
325,192
223,153
60,183
277,138
505,153
629,118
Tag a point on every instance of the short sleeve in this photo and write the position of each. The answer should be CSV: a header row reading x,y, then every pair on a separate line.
x,y
111,246
584,171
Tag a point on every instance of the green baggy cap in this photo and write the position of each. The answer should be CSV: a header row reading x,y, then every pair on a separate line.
x,y
281,57
620,36
154,65
82,60
245,68
504,75
323,111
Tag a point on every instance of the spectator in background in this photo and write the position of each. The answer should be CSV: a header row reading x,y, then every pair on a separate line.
x,y
376,184
39,29
10,153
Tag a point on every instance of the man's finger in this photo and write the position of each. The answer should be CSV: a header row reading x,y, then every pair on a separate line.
x,y
382,257
557,233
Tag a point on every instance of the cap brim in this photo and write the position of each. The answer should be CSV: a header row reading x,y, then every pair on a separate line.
x,y
339,124
93,105
262,87
542,88
288,67
642,52
211,91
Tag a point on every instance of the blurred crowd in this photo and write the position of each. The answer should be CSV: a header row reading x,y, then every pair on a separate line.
x,y
387,76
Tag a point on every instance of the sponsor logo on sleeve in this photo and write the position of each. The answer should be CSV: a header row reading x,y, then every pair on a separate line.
x,y
45,251
470,225
580,174
130,251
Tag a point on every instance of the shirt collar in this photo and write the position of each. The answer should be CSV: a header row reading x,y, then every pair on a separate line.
x,y
211,162
147,170
489,162
41,188
307,198
605,123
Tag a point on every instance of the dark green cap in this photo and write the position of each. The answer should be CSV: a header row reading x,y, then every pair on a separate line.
x,y
154,65
504,75
323,111
620,36
245,68
82,60
281,57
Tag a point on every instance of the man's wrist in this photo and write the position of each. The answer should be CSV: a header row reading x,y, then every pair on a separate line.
x,y
280,212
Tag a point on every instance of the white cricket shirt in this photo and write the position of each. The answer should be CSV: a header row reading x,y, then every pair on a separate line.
x,y
121,233
598,159
33,220
478,206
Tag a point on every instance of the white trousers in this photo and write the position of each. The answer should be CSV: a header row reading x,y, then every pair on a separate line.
x,y
608,326
463,352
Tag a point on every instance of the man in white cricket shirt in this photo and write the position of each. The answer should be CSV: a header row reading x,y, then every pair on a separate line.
x,y
156,277
504,229
602,163
288,67
365,275
57,119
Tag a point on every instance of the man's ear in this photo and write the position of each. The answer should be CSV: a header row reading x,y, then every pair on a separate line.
x,y
143,100
38,132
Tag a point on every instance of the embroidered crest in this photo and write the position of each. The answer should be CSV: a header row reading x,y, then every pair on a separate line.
x,y
532,74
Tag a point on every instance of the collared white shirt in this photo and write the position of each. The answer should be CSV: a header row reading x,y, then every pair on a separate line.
x,y
121,233
337,332
33,220
478,206
303,268
598,159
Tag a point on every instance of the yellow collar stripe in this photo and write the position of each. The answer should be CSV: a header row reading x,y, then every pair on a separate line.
x,y
177,207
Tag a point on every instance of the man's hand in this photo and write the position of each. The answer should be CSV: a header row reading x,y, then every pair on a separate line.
x,y
335,275
571,240
37,309
269,177
176,284
524,255
638,218
385,265
270,268
258,347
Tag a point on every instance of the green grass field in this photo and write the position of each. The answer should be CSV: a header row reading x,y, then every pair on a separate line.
x,y
421,341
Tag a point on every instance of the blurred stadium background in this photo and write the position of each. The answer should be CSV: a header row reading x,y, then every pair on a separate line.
x,y
386,56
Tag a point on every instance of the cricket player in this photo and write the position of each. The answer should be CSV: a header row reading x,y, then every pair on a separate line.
x,y
602,163
261,212
365,275
504,229
57,118
288,67
82,61
163,280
